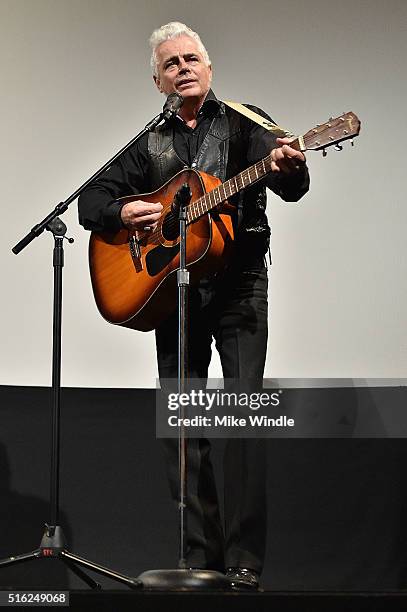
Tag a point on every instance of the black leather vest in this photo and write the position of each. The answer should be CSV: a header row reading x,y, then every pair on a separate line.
x,y
222,154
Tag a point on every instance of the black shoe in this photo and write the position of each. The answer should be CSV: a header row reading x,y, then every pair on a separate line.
x,y
242,578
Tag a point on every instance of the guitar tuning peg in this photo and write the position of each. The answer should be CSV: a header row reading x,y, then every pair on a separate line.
x,y
324,153
338,147
352,142
331,118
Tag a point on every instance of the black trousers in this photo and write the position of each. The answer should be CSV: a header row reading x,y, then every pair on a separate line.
x,y
232,310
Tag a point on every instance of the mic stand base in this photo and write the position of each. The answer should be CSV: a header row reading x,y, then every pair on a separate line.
x,y
184,580
53,547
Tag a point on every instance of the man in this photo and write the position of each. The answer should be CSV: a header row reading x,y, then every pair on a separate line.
x,y
230,307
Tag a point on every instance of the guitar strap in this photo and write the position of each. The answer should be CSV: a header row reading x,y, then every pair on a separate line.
x,y
268,125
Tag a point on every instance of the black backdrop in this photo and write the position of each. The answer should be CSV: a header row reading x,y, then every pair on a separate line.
x,y
337,507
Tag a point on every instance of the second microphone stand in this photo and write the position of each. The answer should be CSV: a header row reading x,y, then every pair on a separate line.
x,y
53,542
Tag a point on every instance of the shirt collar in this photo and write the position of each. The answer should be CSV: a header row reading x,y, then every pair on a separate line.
x,y
211,103
210,106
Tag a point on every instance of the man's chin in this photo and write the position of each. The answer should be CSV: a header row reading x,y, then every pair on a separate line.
x,y
192,93
188,92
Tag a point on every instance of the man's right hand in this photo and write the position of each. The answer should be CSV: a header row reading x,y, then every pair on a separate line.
x,y
140,215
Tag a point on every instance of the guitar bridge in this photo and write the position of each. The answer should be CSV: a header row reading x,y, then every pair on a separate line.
x,y
135,253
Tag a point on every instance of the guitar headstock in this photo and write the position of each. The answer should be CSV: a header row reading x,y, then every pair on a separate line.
x,y
334,131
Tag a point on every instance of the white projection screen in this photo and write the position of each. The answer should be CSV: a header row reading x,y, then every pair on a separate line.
x,y
76,86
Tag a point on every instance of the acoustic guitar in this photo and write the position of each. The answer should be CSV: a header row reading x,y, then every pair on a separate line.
x,y
133,273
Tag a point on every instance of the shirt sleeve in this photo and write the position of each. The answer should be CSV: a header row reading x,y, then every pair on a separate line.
x,y
98,206
260,143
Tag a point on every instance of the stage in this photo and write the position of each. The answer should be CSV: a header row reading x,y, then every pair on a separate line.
x,y
337,507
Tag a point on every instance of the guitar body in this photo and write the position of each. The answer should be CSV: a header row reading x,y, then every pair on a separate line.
x,y
134,275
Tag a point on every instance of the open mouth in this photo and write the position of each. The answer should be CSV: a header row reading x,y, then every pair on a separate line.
x,y
185,83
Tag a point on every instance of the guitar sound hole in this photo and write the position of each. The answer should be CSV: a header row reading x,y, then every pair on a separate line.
x,y
170,226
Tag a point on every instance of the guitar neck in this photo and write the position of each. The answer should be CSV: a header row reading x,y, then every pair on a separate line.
x,y
331,133
232,186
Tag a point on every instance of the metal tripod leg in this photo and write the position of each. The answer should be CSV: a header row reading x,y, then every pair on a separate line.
x,y
34,554
100,569
86,579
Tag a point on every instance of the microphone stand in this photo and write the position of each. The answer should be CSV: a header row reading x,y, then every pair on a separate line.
x,y
182,200
184,578
53,543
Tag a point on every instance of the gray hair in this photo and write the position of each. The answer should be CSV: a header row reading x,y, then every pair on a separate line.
x,y
173,30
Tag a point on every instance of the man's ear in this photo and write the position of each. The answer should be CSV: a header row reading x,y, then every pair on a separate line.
x,y
157,83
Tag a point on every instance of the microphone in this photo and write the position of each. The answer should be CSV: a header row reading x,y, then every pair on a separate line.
x,y
172,105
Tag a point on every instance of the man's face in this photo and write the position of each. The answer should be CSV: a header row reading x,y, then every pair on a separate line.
x,y
181,68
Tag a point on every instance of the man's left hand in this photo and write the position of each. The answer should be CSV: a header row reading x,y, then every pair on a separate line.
x,y
285,159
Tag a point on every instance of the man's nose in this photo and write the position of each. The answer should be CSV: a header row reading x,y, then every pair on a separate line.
x,y
183,67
